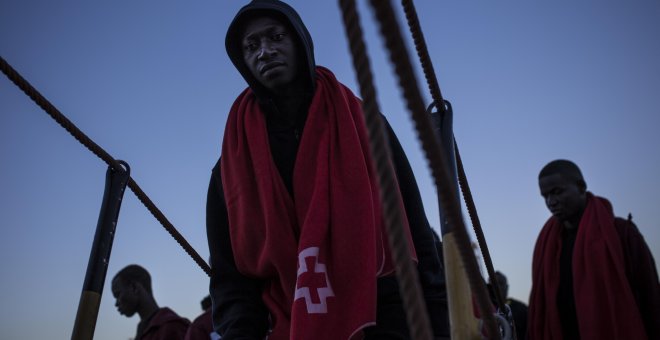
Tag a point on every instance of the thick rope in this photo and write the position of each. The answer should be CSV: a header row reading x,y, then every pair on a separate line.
x,y
42,102
476,224
389,29
434,88
407,276
422,53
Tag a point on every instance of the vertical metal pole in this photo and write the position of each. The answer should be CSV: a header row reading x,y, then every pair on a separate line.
x,y
97,267
442,119
464,325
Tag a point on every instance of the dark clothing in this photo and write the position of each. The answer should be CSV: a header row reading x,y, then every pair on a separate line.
x,y
165,324
519,312
238,308
642,275
201,328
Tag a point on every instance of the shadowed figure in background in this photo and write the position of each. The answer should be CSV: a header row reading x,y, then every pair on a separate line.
x,y
131,287
518,309
202,327
294,220
593,276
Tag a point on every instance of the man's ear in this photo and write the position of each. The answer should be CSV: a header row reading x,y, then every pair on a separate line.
x,y
139,287
135,287
582,185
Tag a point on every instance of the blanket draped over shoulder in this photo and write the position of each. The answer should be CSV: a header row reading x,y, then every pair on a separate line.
x,y
604,300
320,254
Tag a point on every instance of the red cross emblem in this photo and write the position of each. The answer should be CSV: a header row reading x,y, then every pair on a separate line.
x,y
313,284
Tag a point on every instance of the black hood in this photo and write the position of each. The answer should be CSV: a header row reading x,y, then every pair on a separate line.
x,y
287,15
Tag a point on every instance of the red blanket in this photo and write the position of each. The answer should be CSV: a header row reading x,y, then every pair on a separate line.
x,y
604,302
165,325
320,254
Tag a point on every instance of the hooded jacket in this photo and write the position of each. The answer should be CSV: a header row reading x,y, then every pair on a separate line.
x,y
238,310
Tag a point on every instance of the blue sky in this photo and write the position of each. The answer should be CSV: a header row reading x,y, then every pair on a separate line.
x,y
150,82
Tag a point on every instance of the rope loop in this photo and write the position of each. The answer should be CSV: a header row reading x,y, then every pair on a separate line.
x,y
434,104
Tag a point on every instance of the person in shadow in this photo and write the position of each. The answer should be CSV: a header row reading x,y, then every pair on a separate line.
x,y
131,288
593,276
294,219
202,327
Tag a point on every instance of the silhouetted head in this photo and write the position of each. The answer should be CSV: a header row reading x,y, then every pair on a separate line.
x,y
206,302
130,287
502,283
564,190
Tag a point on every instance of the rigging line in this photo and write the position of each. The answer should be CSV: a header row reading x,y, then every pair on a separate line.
x,y
434,88
81,137
407,276
423,54
389,29
476,224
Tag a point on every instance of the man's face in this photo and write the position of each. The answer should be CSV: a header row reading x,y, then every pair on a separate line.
x,y
126,295
270,53
566,199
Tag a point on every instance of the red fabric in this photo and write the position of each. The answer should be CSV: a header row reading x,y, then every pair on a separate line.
x,y
336,219
604,302
201,328
165,325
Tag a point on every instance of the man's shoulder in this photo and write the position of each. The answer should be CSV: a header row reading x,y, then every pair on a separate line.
x,y
203,318
516,303
626,227
166,315
623,221
166,325
632,240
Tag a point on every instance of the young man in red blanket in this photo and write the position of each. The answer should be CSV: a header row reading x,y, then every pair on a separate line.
x,y
294,221
593,276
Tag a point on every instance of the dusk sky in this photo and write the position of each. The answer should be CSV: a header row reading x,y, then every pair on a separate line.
x,y
151,83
